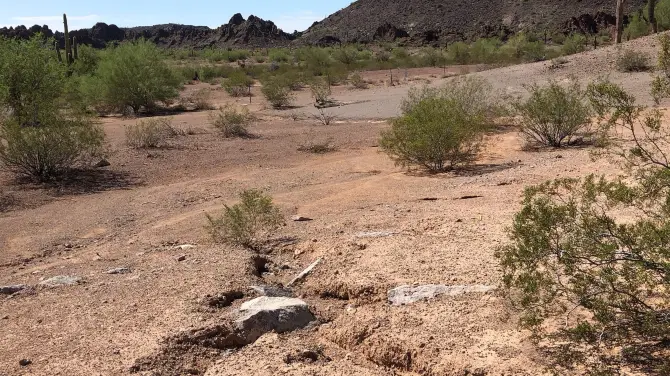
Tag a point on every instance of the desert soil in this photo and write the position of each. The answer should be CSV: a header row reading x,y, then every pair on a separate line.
x,y
136,212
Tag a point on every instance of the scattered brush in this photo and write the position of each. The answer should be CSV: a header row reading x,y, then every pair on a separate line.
x,y
633,61
357,82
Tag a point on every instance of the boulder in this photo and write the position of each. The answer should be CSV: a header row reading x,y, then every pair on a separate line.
x,y
266,314
407,294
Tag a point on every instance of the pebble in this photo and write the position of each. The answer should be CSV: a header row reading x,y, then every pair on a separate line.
x,y
181,258
25,362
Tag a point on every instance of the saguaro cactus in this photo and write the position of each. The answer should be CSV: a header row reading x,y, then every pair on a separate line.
x,y
652,16
75,52
619,20
68,46
60,59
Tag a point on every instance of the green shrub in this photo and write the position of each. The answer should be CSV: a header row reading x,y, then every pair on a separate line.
x,y
238,84
134,75
50,150
279,56
441,129
554,115
42,135
485,50
31,79
346,55
320,92
317,60
633,61
277,92
357,81
588,262
248,222
432,57
87,61
573,44
231,122
459,53
151,133
637,27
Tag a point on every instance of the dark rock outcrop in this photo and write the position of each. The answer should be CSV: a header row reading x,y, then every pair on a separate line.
x,y
252,32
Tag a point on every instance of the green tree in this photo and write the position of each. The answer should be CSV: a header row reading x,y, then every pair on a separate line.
x,y
135,75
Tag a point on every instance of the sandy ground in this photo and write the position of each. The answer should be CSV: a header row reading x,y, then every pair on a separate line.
x,y
135,212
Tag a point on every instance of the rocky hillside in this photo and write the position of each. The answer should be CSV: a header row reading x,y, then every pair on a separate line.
x,y
251,32
419,22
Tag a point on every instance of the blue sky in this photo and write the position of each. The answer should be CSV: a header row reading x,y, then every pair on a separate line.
x,y
287,14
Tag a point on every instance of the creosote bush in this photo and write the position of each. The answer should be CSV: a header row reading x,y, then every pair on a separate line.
x,y
248,222
554,115
231,122
321,92
151,133
588,264
357,81
633,61
277,92
441,129
238,83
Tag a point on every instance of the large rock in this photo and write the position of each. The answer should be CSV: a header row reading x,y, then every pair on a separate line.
x,y
61,280
407,294
266,314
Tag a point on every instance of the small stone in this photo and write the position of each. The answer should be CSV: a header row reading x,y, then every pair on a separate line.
x,y
5,317
61,280
102,163
304,273
25,362
184,247
121,270
181,258
299,218
12,289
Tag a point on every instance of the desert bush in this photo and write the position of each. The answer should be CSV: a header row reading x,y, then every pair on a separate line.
x,y
278,92
485,50
587,264
346,55
238,84
324,117
357,81
248,222
151,133
574,43
554,115
458,53
633,61
279,56
42,136
318,147
201,100
432,57
134,75
231,122
637,27
317,60
441,128
320,92
31,79
50,150
87,60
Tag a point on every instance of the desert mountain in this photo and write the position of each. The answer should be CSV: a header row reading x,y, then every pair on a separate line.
x,y
440,21
250,32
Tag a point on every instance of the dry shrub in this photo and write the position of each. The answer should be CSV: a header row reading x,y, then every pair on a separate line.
x,y
318,147
152,133
633,61
232,122
357,82
248,222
